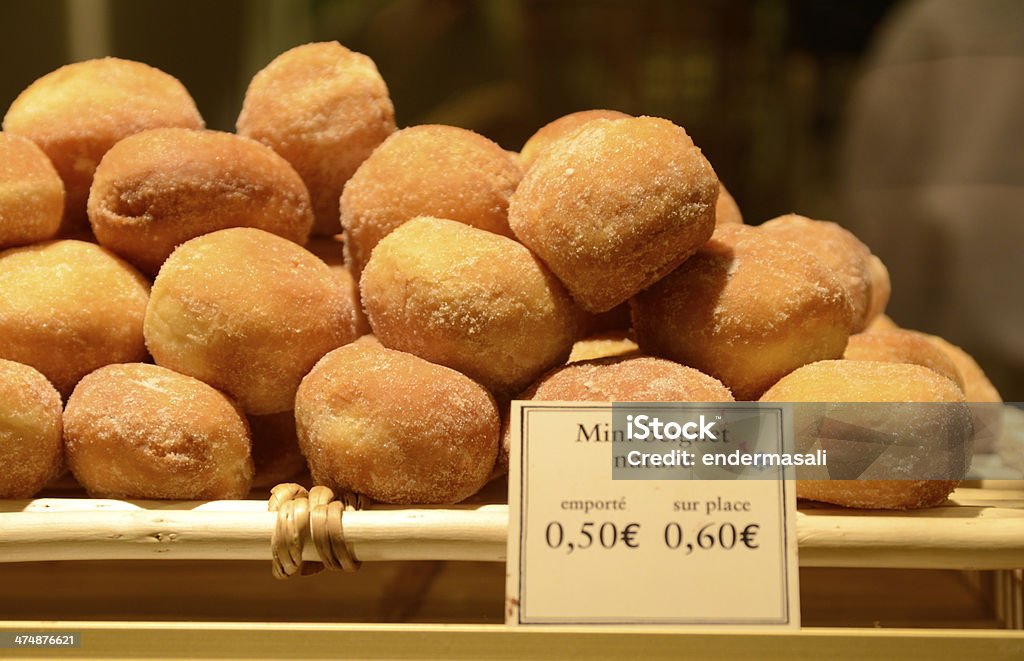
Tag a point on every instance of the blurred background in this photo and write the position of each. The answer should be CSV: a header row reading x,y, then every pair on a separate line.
x,y
900,119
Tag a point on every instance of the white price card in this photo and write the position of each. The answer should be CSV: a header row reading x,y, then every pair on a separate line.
x,y
651,514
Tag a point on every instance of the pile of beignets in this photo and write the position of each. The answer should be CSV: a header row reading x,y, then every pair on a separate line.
x,y
187,314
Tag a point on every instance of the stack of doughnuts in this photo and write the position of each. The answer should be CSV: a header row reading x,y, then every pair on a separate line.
x,y
187,313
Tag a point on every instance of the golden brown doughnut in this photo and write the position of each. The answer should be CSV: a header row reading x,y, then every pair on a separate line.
x,y
78,112
431,170
558,129
394,427
157,189
615,206
324,108
839,250
924,427
748,309
31,193
68,307
275,449
727,212
470,300
902,346
31,445
142,431
622,379
247,312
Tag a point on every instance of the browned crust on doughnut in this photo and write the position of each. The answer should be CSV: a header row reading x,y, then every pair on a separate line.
x,y
157,189
430,170
325,109
394,427
31,193
748,308
615,206
69,307
902,346
247,312
839,250
468,299
870,381
78,112
559,128
142,431
881,288
31,446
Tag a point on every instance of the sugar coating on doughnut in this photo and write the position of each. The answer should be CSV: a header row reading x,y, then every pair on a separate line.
x,y
622,379
31,445
325,109
31,193
727,212
275,449
615,206
157,189
69,307
559,128
869,381
472,300
748,309
430,170
395,427
249,313
902,346
78,112
142,431
839,250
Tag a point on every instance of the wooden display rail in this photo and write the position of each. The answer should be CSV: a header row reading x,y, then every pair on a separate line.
x,y
982,527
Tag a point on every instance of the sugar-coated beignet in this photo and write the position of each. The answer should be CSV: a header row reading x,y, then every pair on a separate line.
x,y
31,193
78,112
275,449
558,129
624,378
157,189
468,299
748,309
31,445
615,206
141,431
323,108
727,212
935,437
68,307
330,249
395,427
431,170
902,346
839,250
881,288
247,312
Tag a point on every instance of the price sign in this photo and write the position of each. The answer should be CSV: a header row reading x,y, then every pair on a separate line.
x,y
592,544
